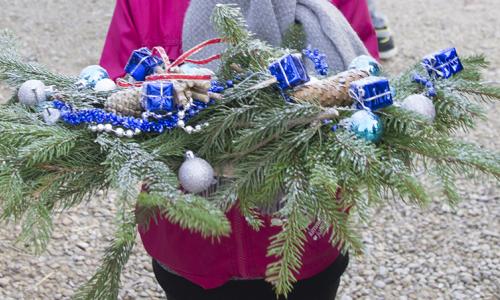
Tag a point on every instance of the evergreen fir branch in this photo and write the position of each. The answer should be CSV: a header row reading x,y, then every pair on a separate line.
x,y
15,72
370,167
451,152
473,65
478,92
455,112
295,38
105,283
251,215
288,245
85,98
398,121
332,210
13,201
260,174
446,176
230,24
244,50
218,138
60,144
36,228
130,167
274,123
190,212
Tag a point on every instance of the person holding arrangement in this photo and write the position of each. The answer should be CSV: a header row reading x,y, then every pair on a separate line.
x,y
186,265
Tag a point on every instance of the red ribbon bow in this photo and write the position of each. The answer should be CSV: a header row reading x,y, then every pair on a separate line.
x,y
184,58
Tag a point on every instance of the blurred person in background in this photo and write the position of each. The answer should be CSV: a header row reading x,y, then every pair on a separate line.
x,y
386,46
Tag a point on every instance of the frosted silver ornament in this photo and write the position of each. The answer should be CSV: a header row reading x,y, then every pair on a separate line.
x,y
51,116
105,85
421,105
32,92
196,175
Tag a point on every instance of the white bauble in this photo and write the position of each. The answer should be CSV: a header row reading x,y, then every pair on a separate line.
x,y
32,92
421,105
105,85
196,175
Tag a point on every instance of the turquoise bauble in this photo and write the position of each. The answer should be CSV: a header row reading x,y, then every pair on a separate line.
x,y
366,63
366,125
91,75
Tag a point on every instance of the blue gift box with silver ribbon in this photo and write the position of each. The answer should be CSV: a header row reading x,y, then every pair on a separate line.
x,y
443,64
290,71
158,96
371,92
142,63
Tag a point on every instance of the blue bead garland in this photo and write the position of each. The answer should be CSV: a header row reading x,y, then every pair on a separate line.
x,y
99,116
162,123
427,83
319,60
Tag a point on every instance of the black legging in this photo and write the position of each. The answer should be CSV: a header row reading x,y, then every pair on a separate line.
x,y
323,286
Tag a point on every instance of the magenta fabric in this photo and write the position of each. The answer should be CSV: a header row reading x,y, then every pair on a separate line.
x,y
210,264
151,23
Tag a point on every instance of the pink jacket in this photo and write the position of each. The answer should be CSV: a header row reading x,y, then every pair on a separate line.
x,y
139,23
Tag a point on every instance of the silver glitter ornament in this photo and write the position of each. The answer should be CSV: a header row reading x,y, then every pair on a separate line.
x,y
196,175
421,105
51,115
32,92
105,85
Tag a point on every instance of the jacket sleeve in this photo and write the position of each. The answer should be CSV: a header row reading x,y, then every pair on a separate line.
x,y
121,40
358,15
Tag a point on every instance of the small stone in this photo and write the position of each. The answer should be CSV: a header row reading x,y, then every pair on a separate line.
x,y
466,278
4,282
382,271
82,245
66,221
379,284
345,297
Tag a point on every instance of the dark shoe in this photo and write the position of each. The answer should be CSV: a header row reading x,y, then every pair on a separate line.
x,y
386,46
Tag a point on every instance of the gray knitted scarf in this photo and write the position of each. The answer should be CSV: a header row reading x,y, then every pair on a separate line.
x,y
325,26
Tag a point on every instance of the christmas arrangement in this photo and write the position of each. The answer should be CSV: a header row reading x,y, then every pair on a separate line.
x,y
333,145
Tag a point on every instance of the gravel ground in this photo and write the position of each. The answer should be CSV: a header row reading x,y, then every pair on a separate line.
x,y
435,253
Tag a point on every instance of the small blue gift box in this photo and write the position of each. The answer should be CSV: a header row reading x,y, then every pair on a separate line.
x,y
443,64
142,63
158,96
290,71
372,92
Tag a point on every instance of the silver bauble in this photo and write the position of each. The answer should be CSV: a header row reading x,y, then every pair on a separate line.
x,y
196,175
421,105
32,92
51,116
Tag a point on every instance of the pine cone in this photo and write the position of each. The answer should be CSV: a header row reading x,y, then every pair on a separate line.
x,y
331,91
126,102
